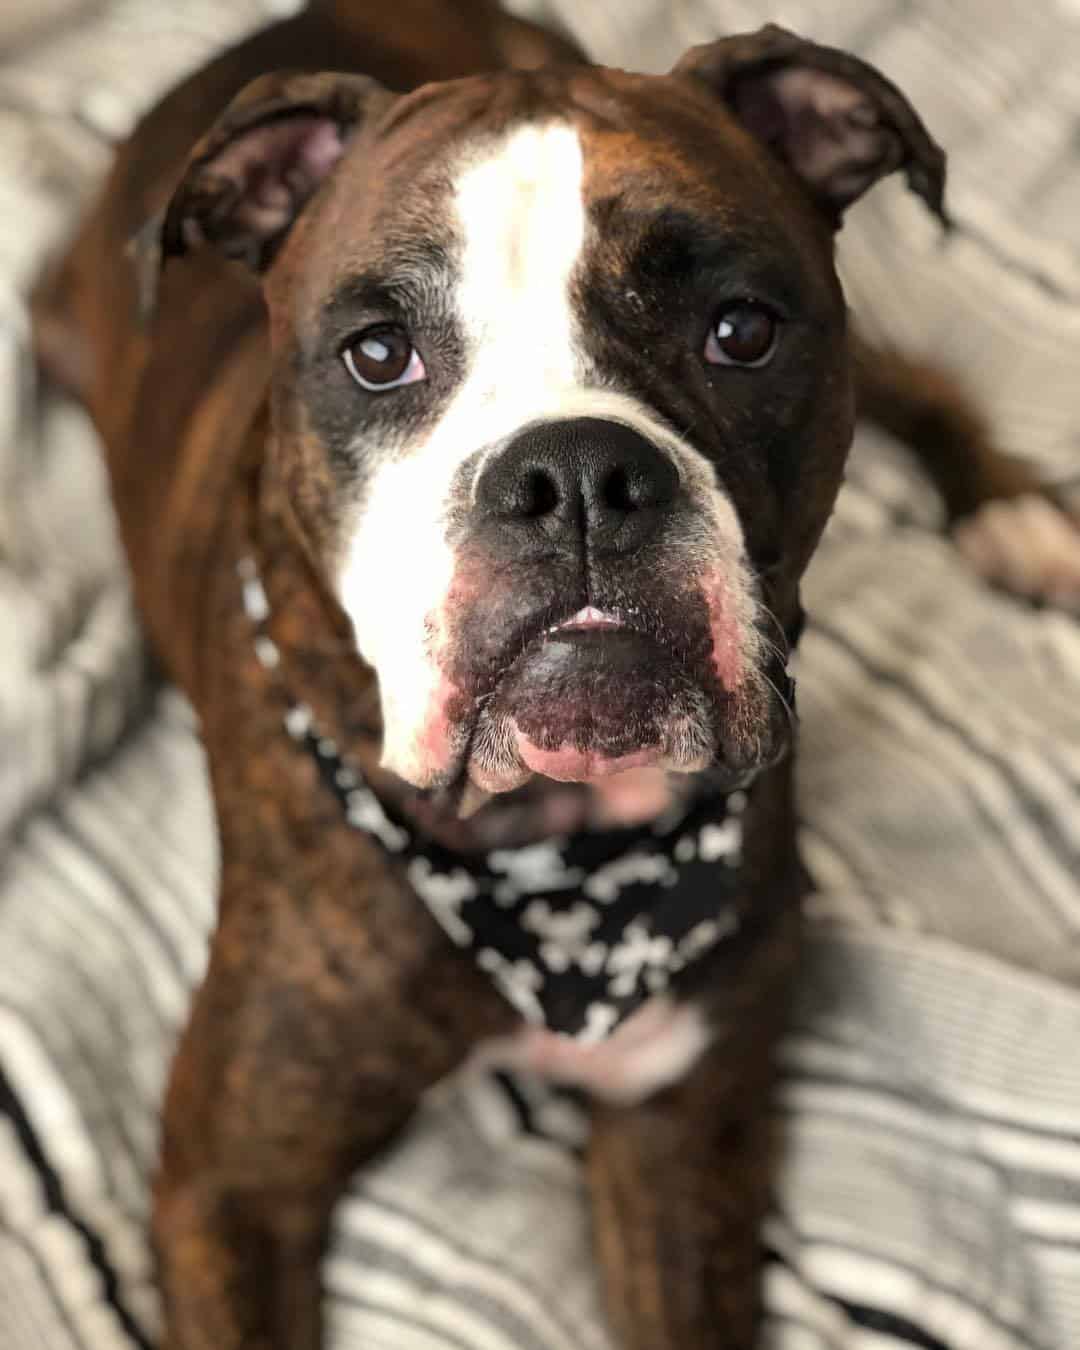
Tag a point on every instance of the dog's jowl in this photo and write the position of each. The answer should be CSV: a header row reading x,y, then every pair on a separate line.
x,y
469,445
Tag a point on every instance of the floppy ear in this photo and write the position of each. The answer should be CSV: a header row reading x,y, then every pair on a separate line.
x,y
834,120
248,178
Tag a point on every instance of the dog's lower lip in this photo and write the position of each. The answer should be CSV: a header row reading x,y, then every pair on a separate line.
x,y
566,764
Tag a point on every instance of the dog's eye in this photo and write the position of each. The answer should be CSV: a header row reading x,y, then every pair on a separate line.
x,y
742,334
382,357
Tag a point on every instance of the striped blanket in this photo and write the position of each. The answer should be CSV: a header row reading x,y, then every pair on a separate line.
x,y
929,1101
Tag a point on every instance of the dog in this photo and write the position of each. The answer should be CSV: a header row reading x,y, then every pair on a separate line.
x,y
468,445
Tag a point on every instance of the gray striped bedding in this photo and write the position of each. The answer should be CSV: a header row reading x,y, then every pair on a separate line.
x,y
929,1100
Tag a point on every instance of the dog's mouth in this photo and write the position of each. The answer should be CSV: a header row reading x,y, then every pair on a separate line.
x,y
625,685
580,660
593,695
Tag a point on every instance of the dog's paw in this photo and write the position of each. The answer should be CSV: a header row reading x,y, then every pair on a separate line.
x,y
1026,545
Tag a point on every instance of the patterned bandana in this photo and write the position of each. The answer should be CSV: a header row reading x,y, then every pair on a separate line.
x,y
577,931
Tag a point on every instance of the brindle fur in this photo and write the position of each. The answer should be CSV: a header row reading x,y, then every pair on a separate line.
x,y
332,1000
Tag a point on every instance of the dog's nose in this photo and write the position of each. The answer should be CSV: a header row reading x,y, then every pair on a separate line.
x,y
583,480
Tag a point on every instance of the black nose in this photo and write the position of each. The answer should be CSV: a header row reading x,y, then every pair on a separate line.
x,y
585,480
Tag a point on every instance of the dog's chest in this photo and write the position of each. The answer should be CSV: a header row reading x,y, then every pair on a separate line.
x,y
653,1048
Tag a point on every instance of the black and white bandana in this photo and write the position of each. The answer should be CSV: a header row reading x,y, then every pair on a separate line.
x,y
575,931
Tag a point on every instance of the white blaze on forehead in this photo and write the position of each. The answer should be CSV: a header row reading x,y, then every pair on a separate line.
x,y
522,221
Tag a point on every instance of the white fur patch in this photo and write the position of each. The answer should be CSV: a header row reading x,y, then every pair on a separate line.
x,y
522,217
655,1047
397,573
1027,545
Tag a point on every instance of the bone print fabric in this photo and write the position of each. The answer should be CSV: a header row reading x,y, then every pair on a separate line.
x,y
930,1087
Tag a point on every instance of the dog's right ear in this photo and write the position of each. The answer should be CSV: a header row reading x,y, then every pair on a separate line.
x,y
248,178
837,123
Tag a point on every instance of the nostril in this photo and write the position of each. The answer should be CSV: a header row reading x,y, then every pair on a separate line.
x,y
617,491
538,495
635,486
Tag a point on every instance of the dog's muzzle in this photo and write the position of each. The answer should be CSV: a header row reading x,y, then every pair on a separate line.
x,y
598,615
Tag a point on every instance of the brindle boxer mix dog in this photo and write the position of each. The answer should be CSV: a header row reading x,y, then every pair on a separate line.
x,y
515,437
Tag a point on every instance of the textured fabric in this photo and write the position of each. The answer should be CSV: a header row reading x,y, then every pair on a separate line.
x,y
929,1101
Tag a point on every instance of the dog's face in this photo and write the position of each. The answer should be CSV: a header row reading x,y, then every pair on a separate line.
x,y
560,387
557,368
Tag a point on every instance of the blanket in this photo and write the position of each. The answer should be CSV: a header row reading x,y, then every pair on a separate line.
x,y
929,1096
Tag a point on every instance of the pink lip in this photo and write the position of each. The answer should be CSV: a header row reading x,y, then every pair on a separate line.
x,y
567,764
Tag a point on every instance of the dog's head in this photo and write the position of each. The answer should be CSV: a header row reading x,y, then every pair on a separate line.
x,y
560,384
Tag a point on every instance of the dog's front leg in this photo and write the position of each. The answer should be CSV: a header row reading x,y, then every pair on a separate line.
x,y
680,1182
309,1045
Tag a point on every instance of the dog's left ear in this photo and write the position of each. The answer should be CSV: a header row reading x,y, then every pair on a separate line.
x,y
835,121
249,177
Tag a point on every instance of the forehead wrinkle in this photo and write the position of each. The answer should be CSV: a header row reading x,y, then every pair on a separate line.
x,y
674,246
409,275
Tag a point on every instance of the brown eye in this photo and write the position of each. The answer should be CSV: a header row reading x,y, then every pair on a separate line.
x,y
382,357
743,334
